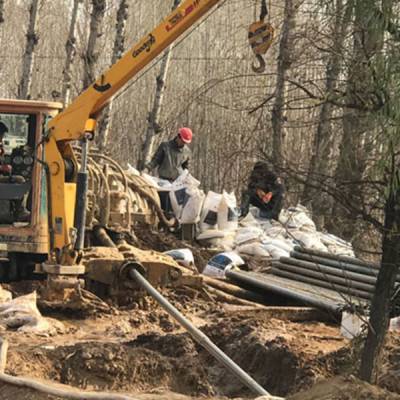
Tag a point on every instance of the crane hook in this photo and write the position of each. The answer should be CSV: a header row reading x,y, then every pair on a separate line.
x,y
261,67
261,35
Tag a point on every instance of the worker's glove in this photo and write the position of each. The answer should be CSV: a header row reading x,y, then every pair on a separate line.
x,y
5,169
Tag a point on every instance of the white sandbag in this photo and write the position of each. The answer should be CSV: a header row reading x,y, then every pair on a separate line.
x,y
352,325
276,232
255,249
248,234
218,239
226,243
209,214
275,251
22,313
162,185
186,179
178,197
249,220
132,171
5,295
227,212
210,234
308,240
336,245
184,193
297,218
218,264
192,208
281,244
182,256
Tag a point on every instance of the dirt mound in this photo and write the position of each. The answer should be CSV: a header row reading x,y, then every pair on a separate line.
x,y
127,368
341,388
163,241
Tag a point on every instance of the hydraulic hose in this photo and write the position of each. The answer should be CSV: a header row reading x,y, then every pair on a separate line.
x,y
196,334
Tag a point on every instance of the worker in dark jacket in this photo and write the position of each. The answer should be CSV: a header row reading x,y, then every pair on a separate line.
x,y
264,191
172,157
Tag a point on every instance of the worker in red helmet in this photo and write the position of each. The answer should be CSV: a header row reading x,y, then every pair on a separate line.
x,y
173,156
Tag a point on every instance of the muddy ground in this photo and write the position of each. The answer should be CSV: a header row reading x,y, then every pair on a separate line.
x,y
140,350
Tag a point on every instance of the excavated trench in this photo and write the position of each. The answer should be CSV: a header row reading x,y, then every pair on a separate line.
x,y
173,362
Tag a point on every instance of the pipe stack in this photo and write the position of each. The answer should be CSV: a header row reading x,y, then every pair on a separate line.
x,y
346,275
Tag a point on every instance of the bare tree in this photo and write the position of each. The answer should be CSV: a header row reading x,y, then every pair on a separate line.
x,y
28,58
322,143
119,46
153,127
91,56
381,302
285,58
70,53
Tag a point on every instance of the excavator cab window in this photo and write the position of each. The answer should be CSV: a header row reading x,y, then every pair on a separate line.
x,y
17,144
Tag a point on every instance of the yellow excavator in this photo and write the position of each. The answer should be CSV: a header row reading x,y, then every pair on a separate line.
x,y
57,197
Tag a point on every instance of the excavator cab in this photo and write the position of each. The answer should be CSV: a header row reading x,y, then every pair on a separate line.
x,y
23,205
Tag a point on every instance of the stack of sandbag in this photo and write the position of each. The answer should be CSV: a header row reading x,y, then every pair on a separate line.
x,y
261,238
301,227
219,220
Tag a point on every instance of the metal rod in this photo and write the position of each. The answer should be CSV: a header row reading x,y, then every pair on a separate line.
x,y
330,279
81,197
243,278
197,335
328,271
319,283
347,259
360,269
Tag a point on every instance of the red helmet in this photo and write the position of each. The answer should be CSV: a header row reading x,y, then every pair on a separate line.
x,y
186,135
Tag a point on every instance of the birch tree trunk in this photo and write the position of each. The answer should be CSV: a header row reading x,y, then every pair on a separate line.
x,y
119,46
1,11
153,127
70,53
91,56
322,144
32,39
358,121
284,62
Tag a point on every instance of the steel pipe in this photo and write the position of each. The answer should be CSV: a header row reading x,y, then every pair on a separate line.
x,y
328,271
197,335
323,284
327,278
346,259
243,278
360,269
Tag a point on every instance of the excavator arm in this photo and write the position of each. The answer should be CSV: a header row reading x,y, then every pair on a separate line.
x,y
78,122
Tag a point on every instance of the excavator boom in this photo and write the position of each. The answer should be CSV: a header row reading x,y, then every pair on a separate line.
x,y
79,118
